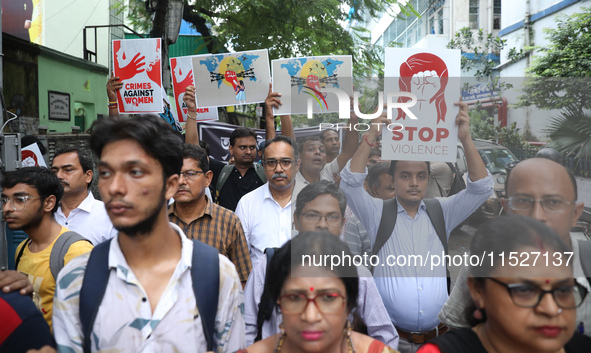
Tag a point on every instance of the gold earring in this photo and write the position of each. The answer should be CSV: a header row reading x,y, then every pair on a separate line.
x,y
348,328
282,329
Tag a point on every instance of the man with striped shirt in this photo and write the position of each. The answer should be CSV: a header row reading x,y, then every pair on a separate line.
x,y
204,220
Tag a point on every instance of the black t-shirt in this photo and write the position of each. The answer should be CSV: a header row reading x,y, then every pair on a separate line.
x,y
237,186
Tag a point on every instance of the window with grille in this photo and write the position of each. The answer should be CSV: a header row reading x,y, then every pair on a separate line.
x,y
497,14
473,14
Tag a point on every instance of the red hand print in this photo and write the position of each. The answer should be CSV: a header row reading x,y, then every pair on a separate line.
x,y
135,66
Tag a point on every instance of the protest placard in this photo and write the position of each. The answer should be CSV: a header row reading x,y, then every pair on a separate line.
x,y
231,78
137,62
31,156
302,81
429,132
182,76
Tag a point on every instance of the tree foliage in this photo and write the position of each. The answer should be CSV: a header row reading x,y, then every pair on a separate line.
x,y
559,79
288,28
482,127
480,46
571,133
558,76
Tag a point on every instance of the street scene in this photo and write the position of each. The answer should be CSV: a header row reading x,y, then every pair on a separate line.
x,y
295,176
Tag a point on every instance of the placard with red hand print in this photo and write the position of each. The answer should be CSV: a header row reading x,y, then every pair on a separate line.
x,y
427,84
231,78
138,63
181,69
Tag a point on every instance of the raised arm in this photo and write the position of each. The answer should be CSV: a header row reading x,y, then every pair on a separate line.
x,y
367,143
287,127
350,142
273,101
113,85
476,168
191,133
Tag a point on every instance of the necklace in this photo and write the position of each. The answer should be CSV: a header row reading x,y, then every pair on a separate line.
x,y
282,339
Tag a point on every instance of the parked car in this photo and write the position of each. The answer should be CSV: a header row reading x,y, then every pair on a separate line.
x,y
495,157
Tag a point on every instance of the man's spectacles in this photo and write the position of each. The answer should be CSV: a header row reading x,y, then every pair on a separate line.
x,y
18,202
191,174
327,303
529,296
314,218
549,204
271,164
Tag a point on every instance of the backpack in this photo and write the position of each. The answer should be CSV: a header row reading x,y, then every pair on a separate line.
x,y
225,174
58,252
205,275
266,304
388,221
458,184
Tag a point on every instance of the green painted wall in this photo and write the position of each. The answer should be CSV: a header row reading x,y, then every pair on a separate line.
x,y
84,81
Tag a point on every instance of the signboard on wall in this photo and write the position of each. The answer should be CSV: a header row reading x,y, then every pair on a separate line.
x,y
59,106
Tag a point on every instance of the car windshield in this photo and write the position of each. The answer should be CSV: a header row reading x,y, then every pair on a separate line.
x,y
495,159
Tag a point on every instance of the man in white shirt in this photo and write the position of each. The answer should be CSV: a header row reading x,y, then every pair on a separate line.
x,y
149,302
265,213
78,210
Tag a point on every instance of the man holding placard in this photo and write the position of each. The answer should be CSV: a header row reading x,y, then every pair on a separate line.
x,y
413,294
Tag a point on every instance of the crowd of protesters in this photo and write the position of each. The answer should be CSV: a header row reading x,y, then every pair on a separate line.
x,y
187,254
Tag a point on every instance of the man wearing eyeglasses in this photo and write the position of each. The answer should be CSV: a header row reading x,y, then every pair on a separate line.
x,y
30,197
204,220
545,190
320,206
265,213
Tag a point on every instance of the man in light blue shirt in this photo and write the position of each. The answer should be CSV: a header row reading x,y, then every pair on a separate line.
x,y
414,294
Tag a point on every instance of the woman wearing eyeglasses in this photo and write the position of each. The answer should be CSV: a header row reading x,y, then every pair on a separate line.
x,y
529,306
314,299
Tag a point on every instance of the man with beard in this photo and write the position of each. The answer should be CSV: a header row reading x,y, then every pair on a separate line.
x,y
204,220
29,199
149,300
265,213
79,210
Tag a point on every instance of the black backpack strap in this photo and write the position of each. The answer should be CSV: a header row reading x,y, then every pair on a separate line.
x,y
94,285
205,274
435,214
224,175
266,305
20,253
452,167
387,223
60,249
